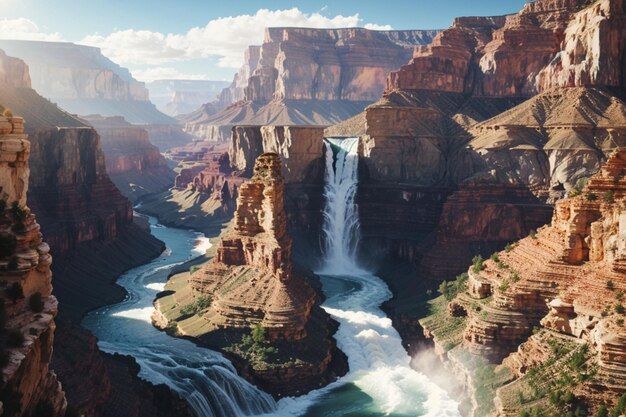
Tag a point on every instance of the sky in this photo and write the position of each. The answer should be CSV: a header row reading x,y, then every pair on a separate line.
x,y
205,39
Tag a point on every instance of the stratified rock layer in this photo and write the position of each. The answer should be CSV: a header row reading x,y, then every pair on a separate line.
x,y
303,76
251,282
567,278
83,81
29,308
134,165
258,249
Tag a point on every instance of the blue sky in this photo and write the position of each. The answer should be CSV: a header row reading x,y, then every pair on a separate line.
x,y
205,39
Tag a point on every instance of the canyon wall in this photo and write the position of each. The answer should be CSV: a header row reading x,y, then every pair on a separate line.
x,y
135,165
28,306
303,76
566,43
83,81
552,297
89,226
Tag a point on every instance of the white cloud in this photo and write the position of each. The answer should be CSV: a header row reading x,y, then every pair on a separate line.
x,y
165,73
25,29
225,37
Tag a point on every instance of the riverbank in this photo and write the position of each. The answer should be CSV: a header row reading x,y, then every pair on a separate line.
x,y
204,378
297,367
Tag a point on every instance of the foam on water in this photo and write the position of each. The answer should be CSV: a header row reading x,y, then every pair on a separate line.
x,y
379,365
203,377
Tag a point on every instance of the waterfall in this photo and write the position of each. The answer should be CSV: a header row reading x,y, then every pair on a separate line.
x,y
341,229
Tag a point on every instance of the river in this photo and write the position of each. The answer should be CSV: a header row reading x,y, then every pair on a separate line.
x,y
380,381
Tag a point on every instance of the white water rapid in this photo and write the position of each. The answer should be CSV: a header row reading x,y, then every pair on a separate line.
x,y
203,377
380,381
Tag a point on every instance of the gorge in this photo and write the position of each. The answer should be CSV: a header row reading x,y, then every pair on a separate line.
x,y
365,222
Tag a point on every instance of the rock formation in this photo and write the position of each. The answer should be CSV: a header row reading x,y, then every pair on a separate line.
x,y
83,81
28,306
134,165
90,229
251,282
303,76
549,43
204,195
567,282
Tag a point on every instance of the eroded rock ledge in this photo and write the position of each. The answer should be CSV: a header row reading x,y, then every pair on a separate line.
x,y
27,304
252,284
549,308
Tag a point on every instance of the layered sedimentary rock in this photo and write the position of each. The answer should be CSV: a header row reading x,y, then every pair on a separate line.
x,y
303,76
204,195
251,282
568,279
83,81
86,220
548,43
480,218
300,149
28,306
134,164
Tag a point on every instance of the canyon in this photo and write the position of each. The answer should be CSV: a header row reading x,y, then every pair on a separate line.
x,y
28,306
179,97
496,144
133,163
93,236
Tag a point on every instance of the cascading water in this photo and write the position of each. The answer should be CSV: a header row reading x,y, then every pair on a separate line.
x,y
203,377
341,228
381,381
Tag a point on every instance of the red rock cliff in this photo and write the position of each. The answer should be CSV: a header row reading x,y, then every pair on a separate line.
x,y
28,306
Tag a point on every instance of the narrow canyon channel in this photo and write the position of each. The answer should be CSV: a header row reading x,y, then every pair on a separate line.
x,y
380,381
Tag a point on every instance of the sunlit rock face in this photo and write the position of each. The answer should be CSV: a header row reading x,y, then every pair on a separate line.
x,y
28,304
565,43
258,247
304,76
83,81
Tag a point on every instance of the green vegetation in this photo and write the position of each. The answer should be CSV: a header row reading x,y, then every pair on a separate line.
x,y
194,268
610,285
533,234
609,196
202,303
36,303
514,276
450,289
619,295
619,308
550,385
494,257
477,263
579,187
620,407
591,197
509,247
7,113
256,346
504,286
